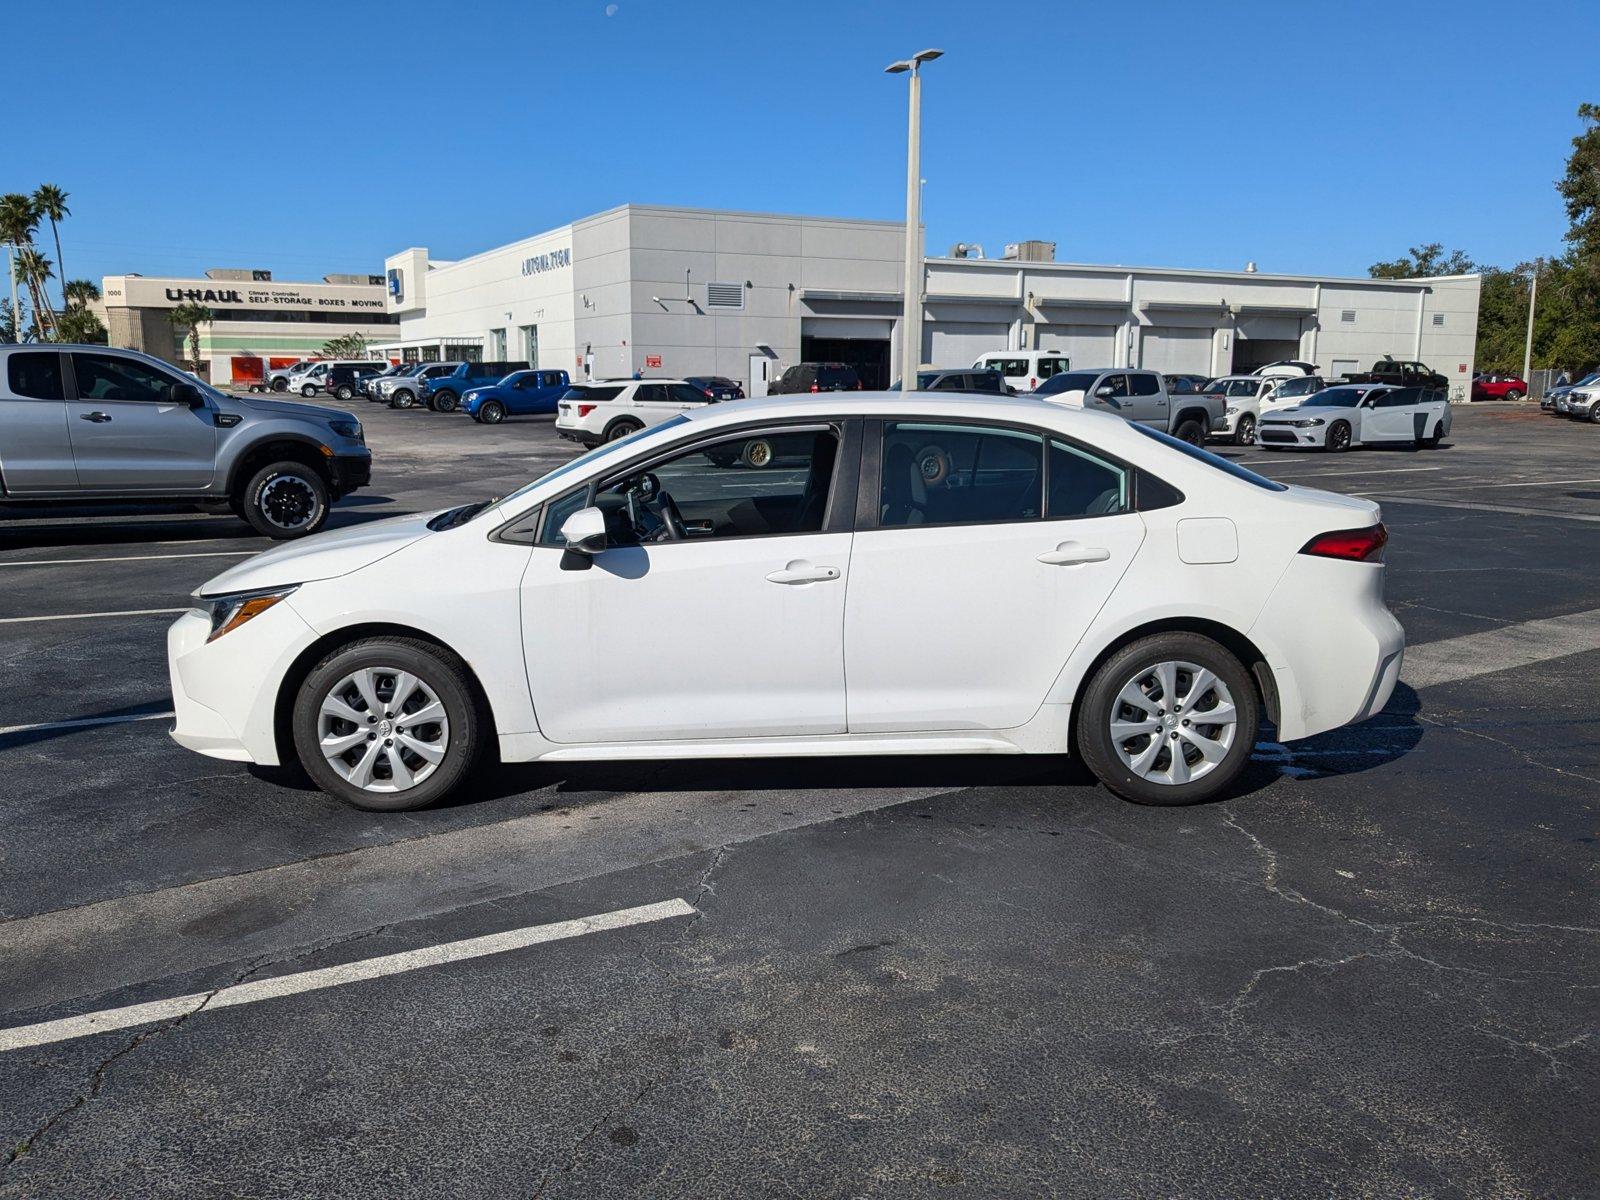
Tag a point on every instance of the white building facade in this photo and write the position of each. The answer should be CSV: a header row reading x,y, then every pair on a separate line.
x,y
673,292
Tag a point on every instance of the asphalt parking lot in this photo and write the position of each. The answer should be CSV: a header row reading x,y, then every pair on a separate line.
x,y
1373,972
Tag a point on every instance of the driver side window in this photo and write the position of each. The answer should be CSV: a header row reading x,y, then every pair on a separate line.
x,y
108,377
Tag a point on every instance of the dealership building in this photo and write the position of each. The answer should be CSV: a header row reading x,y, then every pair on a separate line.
x,y
257,322
675,291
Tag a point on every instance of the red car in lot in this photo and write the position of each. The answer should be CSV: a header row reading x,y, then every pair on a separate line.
x,y
1499,387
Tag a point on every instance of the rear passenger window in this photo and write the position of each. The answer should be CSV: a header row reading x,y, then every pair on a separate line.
x,y
1143,385
1083,485
959,475
35,374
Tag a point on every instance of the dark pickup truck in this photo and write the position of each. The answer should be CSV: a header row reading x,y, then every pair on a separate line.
x,y
1400,374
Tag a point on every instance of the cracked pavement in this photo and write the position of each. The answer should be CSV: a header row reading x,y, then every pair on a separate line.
x,y
1372,972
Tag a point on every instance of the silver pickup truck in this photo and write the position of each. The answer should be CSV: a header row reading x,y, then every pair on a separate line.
x,y
1137,395
94,425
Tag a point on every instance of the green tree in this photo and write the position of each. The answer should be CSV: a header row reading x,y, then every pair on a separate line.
x,y
79,293
33,269
188,317
50,202
80,326
11,328
1580,189
349,345
1423,262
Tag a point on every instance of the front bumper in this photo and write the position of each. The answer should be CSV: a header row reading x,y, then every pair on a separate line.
x,y
350,471
1290,435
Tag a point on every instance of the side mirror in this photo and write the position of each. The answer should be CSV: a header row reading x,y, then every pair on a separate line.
x,y
585,531
188,394
1104,392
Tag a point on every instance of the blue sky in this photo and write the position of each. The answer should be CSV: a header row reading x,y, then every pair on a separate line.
x,y
1169,132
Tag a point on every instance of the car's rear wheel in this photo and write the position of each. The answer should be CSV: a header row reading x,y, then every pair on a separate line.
x,y
387,724
491,412
344,392
1513,394
280,385
1246,431
618,430
1191,431
1170,719
442,402
285,500
1338,437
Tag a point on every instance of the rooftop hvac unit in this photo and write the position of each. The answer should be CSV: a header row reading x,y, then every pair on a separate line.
x,y
1034,251
966,250
237,275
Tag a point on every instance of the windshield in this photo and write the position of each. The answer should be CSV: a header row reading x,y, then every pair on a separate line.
x,y
1294,387
584,460
1067,381
1240,387
1339,397
1210,459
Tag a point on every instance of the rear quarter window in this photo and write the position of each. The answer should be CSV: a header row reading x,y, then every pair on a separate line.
x,y
35,374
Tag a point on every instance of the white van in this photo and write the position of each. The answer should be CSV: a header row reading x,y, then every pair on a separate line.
x,y
308,382
1025,370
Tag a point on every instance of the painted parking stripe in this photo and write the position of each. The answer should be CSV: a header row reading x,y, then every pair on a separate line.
x,y
46,1033
1394,471
1454,659
63,562
126,612
83,723
1446,487
1516,510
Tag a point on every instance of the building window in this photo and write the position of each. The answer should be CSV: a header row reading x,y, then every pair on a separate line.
x,y
724,295
530,344
497,345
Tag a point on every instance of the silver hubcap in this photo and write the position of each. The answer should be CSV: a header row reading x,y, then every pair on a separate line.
x,y
383,729
1173,723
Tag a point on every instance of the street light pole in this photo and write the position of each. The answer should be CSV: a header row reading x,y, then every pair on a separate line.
x,y
16,308
911,311
1527,349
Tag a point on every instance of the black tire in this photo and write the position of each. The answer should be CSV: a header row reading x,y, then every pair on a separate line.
x,y
1191,431
1513,394
443,401
307,391
621,428
280,384
490,412
1245,432
1100,704
1338,439
344,392
441,672
402,398
285,500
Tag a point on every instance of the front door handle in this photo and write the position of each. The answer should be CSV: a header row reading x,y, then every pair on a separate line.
x,y
1069,554
803,572
99,418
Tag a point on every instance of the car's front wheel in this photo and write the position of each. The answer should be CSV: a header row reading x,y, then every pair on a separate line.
x,y
285,500
387,723
1246,431
1338,437
1170,719
491,412
402,399
307,391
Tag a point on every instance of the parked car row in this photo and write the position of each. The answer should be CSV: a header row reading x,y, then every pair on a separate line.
x,y
1580,400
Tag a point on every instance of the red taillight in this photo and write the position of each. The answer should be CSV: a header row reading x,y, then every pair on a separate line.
x,y
707,391
1353,545
815,388
585,409
858,385
1032,383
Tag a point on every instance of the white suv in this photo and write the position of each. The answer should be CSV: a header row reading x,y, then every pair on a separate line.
x,y
605,410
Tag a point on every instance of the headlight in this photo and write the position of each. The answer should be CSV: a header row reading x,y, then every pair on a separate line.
x,y
1232,408
1307,422
227,613
348,429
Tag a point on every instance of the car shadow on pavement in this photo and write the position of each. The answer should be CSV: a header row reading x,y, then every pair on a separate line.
x,y
1350,750
69,725
141,525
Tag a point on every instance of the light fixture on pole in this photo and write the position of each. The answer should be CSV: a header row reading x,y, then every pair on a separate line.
x,y
911,312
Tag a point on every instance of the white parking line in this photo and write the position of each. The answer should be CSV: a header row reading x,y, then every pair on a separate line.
x,y
58,562
83,723
1454,659
1389,471
46,1033
1446,487
1555,514
127,612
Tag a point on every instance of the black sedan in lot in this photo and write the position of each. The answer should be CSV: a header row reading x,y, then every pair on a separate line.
x,y
718,387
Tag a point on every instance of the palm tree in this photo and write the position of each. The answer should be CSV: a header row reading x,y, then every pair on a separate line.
x,y
33,269
81,327
50,202
18,217
188,317
79,292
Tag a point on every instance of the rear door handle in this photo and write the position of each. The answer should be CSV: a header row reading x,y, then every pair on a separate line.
x,y
1069,554
803,572
99,418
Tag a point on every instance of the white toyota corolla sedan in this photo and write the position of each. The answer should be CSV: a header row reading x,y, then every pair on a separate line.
x,y
845,574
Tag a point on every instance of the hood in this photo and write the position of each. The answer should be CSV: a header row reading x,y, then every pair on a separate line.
x,y
322,555
288,408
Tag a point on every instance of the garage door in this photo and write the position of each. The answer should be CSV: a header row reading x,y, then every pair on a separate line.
x,y
1086,345
962,343
1176,351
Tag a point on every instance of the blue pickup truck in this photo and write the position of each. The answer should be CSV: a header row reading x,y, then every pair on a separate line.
x,y
443,393
519,394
